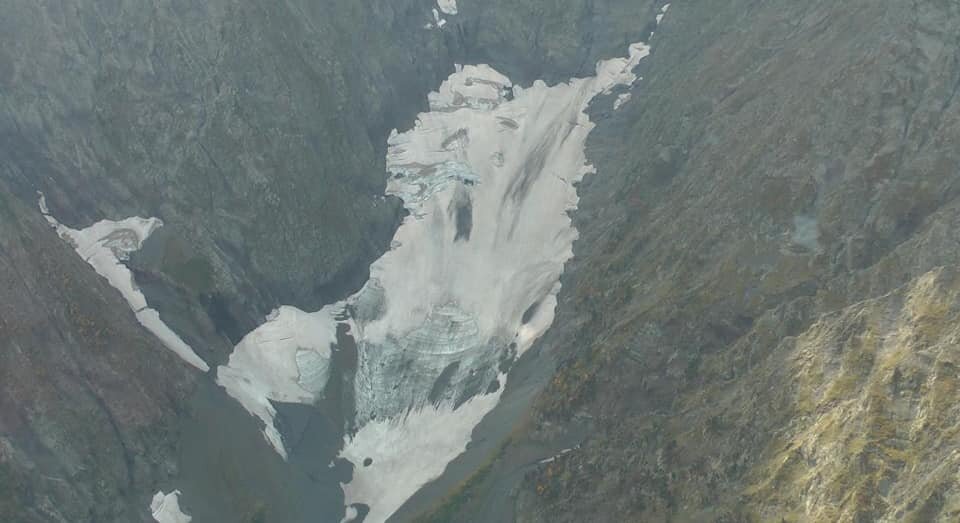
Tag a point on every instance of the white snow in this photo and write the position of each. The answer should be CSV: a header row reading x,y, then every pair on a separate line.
x,y
350,514
285,359
105,245
553,458
150,319
165,508
448,7
619,71
407,452
662,13
438,22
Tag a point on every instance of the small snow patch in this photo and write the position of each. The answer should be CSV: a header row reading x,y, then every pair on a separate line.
x,y
662,13
447,7
621,99
165,508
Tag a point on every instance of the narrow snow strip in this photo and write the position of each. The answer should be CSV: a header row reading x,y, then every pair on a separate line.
x,y
286,359
105,245
553,458
663,12
165,508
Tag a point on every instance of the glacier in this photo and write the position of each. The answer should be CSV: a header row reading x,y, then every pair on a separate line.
x,y
488,176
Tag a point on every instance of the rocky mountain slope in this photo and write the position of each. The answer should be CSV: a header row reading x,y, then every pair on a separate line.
x,y
760,322
89,399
